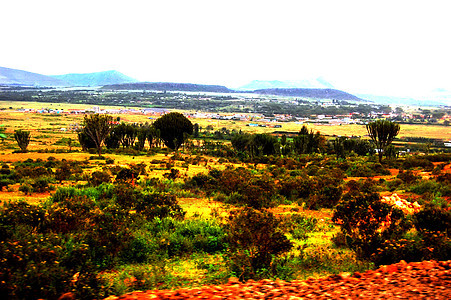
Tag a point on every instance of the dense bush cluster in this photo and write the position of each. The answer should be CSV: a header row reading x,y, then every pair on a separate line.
x,y
383,233
62,244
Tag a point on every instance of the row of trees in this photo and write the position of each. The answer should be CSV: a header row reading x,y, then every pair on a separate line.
x,y
381,132
173,129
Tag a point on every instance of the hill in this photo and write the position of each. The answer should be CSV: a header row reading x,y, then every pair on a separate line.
x,y
310,93
23,78
95,79
319,83
169,86
442,98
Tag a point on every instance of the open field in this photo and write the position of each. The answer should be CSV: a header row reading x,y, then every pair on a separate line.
x,y
47,129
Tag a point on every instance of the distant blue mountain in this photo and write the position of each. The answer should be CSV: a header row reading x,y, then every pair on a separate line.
x,y
169,86
433,99
317,83
95,79
331,94
23,78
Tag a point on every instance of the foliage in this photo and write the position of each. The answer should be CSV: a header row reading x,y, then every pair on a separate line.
x,y
255,144
22,138
308,142
254,240
367,222
382,133
97,127
433,218
298,225
408,176
412,162
64,243
173,128
99,177
148,204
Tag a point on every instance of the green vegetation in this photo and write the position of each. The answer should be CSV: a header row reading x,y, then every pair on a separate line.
x,y
382,132
22,138
225,204
174,128
97,127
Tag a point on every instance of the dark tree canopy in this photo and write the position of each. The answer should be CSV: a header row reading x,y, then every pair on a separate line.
x,y
22,138
174,128
97,127
382,133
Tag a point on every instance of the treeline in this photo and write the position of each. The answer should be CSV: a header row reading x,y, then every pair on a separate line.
x,y
199,102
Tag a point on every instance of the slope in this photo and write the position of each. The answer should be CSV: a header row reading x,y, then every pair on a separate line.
x,y
23,78
95,79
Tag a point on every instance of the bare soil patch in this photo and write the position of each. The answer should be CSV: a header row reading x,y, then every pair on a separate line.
x,y
417,280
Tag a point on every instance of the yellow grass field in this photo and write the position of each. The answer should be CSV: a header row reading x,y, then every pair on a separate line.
x,y
47,129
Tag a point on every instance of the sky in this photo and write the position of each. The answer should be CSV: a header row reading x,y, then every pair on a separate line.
x,y
398,48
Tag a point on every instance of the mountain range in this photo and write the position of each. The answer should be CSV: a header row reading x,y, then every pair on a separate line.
x,y
23,78
95,79
316,83
317,88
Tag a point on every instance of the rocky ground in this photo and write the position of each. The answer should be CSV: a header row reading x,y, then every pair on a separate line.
x,y
417,280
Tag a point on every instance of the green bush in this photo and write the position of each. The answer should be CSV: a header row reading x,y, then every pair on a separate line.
x,y
41,255
360,217
433,218
295,187
41,184
408,176
254,240
298,225
26,188
149,204
412,162
99,177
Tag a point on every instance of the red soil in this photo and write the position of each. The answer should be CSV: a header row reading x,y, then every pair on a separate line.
x,y
419,280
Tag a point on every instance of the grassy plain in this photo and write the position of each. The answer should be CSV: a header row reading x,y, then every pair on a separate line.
x,y
46,129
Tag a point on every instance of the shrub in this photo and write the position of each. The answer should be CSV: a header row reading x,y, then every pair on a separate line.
x,y
295,187
298,225
21,213
433,218
254,240
367,222
41,184
32,171
4,182
99,177
173,174
148,204
425,186
26,188
127,175
326,190
415,162
408,176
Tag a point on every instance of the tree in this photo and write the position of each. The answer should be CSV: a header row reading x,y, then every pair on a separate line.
x,y
97,127
22,138
382,133
196,130
2,132
308,142
172,127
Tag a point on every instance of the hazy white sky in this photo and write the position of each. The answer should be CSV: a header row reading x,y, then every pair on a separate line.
x,y
385,47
